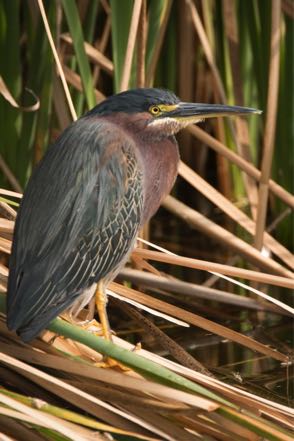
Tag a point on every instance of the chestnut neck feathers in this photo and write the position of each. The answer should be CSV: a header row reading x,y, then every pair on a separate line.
x,y
158,157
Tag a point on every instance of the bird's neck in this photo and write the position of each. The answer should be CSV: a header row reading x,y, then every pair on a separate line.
x,y
159,159
158,155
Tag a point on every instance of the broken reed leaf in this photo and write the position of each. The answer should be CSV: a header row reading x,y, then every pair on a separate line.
x,y
4,91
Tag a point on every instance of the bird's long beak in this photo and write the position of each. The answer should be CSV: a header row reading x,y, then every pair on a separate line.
x,y
194,112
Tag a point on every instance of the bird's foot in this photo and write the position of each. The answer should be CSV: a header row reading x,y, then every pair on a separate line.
x,y
92,326
111,363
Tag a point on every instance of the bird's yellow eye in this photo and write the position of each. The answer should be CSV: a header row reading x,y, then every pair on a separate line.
x,y
155,110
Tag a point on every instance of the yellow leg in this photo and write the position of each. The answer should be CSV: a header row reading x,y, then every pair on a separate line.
x,y
101,302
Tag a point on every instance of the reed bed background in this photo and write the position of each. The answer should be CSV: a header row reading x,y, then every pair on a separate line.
x,y
207,344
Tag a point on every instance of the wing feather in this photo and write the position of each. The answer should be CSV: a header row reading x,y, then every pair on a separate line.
x,y
78,217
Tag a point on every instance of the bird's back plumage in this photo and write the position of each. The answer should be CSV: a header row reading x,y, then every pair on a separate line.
x,y
73,228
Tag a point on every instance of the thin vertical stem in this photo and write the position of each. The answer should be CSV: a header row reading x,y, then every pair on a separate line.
x,y
101,46
270,123
231,29
157,49
9,175
141,79
141,49
131,45
238,137
207,49
57,61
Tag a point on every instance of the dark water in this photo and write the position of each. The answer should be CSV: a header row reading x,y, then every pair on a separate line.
x,y
254,372
237,365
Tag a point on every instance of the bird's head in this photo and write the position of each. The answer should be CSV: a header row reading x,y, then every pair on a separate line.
x,y
160,112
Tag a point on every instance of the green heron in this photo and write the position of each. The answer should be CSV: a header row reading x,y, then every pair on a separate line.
x,y
95,187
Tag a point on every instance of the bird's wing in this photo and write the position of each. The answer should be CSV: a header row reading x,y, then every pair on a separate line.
x,y
78,217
